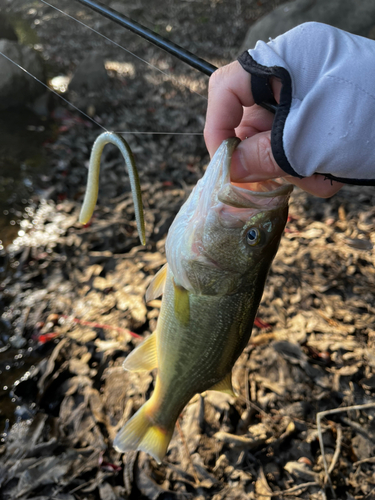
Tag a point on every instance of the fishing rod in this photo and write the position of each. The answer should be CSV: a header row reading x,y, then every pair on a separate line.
x,y
174,49
161,42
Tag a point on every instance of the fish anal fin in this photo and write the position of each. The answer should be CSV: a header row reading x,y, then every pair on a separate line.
x,y
140,433
225,385
144,357
181,304
156,287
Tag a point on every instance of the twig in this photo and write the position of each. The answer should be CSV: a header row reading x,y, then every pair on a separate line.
x,y
254,406
358,428
129,460
247,389
187,453
288,492
78,471
369,460
319,417
253,390
337,449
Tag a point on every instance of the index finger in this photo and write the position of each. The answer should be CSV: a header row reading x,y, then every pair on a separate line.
x,y
229,91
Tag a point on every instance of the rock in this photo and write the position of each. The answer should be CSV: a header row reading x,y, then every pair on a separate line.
x,y
90,76
120,7
301,471
17,88
362,447
349,15
127,9
6,29
43,104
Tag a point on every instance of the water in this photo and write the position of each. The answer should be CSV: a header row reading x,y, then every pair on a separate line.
x,y
16,366
22,162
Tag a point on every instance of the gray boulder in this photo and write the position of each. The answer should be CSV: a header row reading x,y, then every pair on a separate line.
x,y
6,29
355,16
17,88
90,75
127,8
120,7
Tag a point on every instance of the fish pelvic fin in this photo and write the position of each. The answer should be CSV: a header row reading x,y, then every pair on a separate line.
x,y
143,357
140,433
156,287
225,385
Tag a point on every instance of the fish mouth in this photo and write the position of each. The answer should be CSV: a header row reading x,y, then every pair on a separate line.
x,y
267,195
271,187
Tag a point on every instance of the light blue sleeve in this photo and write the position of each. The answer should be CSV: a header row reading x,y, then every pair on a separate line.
x,y
326,121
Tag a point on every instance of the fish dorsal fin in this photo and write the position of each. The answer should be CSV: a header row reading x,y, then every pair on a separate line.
x,y
181,304
225,385
144,357
156,287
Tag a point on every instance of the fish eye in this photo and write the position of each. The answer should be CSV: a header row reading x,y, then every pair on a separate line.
x,y
253,236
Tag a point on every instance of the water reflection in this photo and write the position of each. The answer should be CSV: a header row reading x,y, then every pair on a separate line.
x,y
22,159
16,367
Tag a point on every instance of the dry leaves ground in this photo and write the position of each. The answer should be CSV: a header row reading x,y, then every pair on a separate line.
x,y
73,297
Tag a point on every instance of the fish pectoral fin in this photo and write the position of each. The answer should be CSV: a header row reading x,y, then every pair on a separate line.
x,y
181,304
225,385
156,287
144,357
140,433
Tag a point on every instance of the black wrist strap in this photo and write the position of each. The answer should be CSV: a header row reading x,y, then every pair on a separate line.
x,y
262,93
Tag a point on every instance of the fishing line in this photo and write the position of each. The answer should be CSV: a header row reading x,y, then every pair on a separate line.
x,y
123,48
156,133
85,114
53,91
80,110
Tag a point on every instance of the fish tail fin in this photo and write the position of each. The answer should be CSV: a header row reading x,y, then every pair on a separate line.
x,y
140,433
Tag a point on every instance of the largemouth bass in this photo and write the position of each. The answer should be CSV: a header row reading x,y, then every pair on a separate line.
x,y
219,250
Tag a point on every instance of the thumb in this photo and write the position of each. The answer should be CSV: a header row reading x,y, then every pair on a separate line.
x,y
253,160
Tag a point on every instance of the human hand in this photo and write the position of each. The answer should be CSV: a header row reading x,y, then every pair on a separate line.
x,y
232,112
